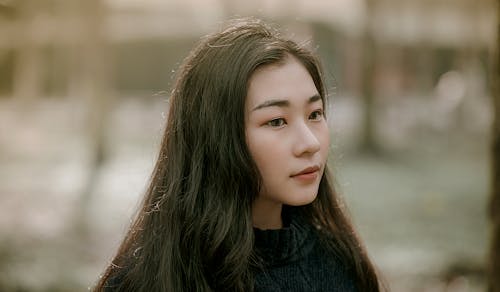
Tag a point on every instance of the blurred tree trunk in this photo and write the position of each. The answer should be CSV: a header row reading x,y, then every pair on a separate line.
x,y
28,62
94,87
368,142
494,210
425,67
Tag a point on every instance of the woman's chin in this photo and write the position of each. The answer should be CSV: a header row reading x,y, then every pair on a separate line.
x,y
301,200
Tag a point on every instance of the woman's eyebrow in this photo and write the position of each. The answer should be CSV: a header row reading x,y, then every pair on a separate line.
x,y
314,98
273,102
283,102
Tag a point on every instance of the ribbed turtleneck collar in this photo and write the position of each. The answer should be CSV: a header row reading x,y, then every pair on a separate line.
x,y
287,244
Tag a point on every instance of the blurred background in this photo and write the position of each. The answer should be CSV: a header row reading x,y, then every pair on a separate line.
x,y
84,86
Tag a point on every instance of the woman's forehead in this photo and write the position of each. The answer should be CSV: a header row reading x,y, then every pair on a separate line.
x,y
288,80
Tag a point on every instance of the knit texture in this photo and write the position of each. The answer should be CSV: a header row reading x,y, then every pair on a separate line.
x,y
294,260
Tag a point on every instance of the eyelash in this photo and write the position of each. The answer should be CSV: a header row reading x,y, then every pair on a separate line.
x,y
271,123
320,114
282,122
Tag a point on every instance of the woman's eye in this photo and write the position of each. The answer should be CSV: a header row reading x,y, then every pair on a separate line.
x,y
316,115
276,122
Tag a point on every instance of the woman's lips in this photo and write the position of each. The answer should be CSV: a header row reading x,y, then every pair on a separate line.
x,y
307,174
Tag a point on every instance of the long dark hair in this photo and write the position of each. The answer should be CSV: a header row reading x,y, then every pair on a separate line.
x,y
194,230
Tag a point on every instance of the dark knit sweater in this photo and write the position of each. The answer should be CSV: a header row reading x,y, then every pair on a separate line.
x,y
294,260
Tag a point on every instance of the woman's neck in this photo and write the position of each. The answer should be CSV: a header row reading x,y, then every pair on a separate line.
x,y
266,214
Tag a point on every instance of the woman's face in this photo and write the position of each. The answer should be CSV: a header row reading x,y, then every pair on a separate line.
x,y
286,133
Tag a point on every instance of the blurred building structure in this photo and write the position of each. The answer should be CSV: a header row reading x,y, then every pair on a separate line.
x,y
44,33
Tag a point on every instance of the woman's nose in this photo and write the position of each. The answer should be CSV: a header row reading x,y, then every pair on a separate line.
x,y
306,142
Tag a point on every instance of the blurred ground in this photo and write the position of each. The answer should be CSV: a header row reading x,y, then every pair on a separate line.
x,y
420,210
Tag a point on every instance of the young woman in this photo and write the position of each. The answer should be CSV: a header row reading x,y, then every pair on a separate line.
x,y
241,197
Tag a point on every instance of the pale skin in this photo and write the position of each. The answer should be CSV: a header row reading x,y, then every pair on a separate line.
x,y
287,136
